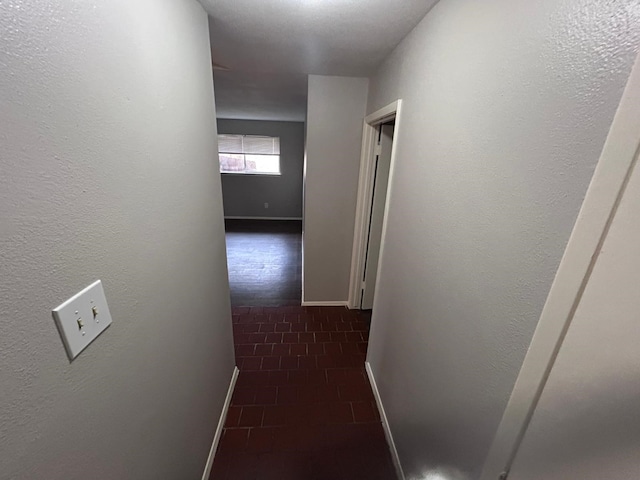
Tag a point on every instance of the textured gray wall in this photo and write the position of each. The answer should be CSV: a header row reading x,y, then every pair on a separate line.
x,y
105,172
245,195
506,106
335,113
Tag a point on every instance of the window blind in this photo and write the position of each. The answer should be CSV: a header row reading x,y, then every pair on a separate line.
x,y
248,144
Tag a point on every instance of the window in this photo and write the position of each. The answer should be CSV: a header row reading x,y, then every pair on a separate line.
x,y
249,154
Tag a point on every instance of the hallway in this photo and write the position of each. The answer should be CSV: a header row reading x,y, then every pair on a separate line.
x,y
302,406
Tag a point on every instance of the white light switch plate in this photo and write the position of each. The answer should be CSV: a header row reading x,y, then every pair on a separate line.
x,y
82,318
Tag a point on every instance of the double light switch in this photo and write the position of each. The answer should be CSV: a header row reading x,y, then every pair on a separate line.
x,y
82,318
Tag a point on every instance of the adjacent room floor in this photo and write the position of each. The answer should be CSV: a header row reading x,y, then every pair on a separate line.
x,y
303,408
265,262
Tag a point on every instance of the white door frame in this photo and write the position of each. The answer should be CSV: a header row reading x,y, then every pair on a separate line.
x,y
365,194
618,158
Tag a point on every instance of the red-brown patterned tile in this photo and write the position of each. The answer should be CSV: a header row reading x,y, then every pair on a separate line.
x,y
307,362
243,396
327,393
287,395
283,327
242,338
329,326
234,439
365,412
317,377
278,377
322,337
354,337
281,349
306,337
337,376
315,348
307,393
314,326
260,440
250,363
298,349
266,395
233,416
290,338
273,338
274,415
267,327
251,416
288,362
296,415
297,377
340,413
350,348
258,337
351,393
270,363
298,327
338,337
332,348
309,408
263,349
250,328
245,350
326,361
275,317
344,326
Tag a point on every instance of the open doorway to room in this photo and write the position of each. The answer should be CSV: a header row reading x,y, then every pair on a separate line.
x,y
261,166
376,169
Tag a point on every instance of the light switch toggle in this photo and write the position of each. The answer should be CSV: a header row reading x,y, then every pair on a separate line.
x,y
72,316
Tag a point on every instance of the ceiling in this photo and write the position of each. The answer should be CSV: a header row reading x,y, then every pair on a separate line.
x,y
270,46
260,95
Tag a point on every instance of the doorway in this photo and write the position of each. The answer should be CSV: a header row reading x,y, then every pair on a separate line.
x,y
376,170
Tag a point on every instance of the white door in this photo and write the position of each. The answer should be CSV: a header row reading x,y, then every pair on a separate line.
x,y
586,425
574,411
380,187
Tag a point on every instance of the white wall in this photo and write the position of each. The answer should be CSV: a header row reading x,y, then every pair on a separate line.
x,y
107,170
245,195
506,106
586,423
335,112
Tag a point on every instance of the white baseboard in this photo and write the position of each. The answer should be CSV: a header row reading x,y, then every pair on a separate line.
x,y
263,218
223,418
325,304
385,423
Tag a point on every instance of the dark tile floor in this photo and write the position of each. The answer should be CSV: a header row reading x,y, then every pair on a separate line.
x,y
265,262
302,408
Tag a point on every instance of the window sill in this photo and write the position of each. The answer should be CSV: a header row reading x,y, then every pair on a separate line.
x,y
247,174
